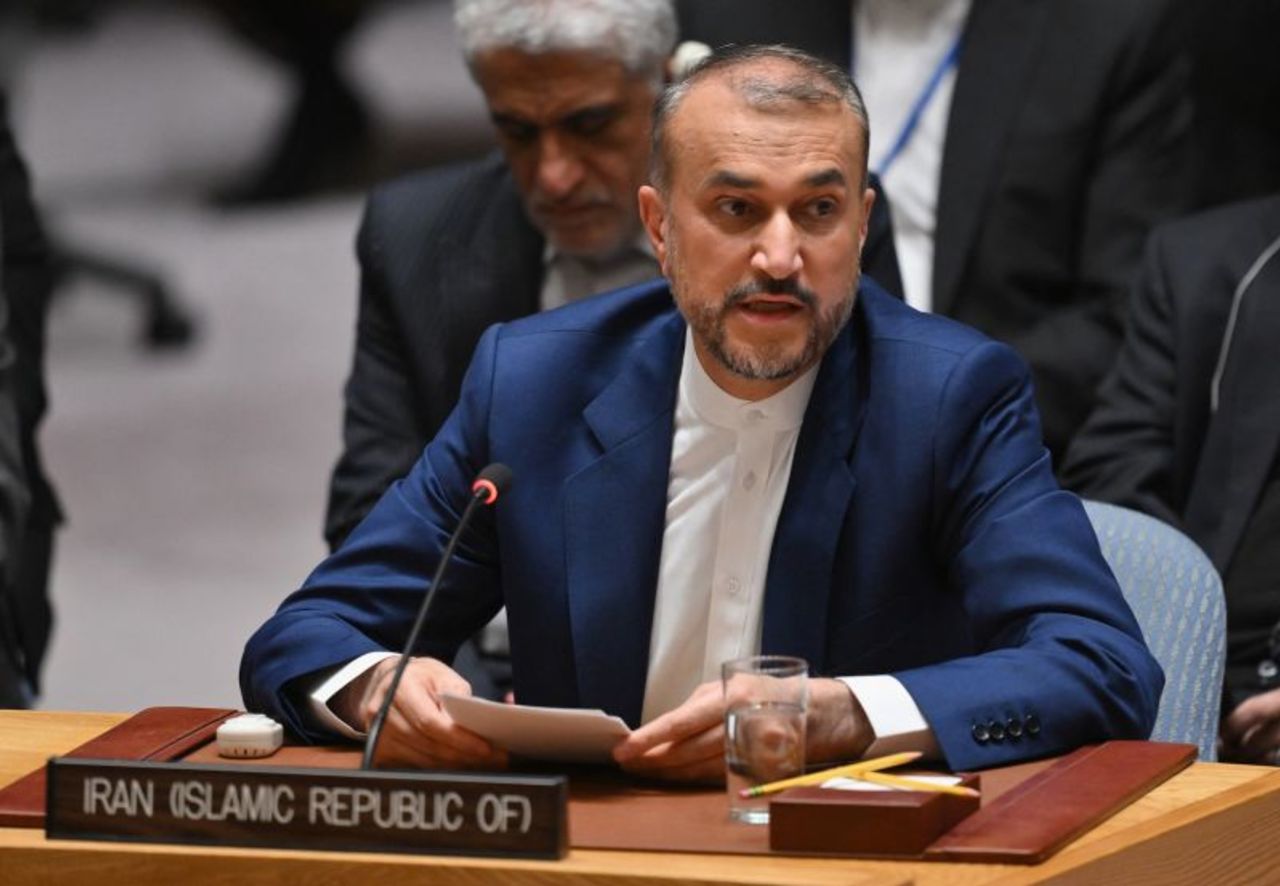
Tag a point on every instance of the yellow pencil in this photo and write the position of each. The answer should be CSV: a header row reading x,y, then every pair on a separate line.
x,y
912,784
851,770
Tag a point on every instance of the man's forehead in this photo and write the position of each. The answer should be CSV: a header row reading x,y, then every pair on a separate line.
x,y
717,119
509,69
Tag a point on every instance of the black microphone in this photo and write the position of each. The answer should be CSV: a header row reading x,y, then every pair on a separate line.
x,y
485,489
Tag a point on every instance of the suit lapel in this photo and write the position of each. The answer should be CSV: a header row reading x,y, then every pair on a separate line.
x,y
821,487
1241,443
1001,40
615,512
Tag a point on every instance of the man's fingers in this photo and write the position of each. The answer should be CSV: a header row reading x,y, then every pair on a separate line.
x,y
1260,745
418,731
704,710
707,745
422,711
1250,714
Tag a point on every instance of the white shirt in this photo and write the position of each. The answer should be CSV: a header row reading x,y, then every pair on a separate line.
x,y
730,464
568,278
898,44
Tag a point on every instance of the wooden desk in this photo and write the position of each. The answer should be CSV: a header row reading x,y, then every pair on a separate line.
x,y
1210,823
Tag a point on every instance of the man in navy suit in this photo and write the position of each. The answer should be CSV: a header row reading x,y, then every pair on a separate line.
x,y
782,461
1055,138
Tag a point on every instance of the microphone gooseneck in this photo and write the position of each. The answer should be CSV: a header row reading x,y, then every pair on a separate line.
x,y
485,489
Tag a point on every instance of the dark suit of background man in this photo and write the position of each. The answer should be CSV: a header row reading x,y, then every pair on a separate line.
x,y
446,253
1062,147
780,461
25,534
1187,428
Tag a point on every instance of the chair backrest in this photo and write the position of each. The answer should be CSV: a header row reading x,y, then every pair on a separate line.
x,y
1177,597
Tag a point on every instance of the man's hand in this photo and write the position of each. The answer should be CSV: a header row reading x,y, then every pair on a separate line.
x,y
417,732
687,744
1251,733
837,728
684,744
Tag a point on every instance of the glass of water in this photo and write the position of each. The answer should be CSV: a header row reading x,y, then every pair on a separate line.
x,y
766,698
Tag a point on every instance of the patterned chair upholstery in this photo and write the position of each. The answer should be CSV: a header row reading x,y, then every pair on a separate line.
x,y
1177,597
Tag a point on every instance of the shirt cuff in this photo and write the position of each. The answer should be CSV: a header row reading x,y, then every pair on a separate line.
x,y
895,719
327,687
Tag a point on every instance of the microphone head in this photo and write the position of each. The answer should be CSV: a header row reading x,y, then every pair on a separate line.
x,y
491,482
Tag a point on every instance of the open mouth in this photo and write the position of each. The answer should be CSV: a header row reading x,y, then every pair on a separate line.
x,y
769,306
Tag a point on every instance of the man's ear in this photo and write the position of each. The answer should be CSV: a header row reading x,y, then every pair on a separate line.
x,y
868,201
653,215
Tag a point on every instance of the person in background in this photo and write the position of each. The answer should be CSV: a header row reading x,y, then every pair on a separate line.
x,y
28,508
550,219
1187,429
1026,147
784,460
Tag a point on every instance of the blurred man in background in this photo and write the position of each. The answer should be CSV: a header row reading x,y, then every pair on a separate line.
x,y
26,533
1187,429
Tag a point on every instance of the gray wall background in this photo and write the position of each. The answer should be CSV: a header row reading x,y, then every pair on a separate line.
x,y
194,481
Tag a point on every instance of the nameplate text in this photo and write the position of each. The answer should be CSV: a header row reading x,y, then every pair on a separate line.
x,y
378,811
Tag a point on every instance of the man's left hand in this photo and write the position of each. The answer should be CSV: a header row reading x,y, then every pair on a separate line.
x,y
687,743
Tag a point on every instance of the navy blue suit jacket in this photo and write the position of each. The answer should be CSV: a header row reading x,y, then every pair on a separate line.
x,y
923,534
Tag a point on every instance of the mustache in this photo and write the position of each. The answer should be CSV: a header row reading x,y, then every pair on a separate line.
x,y
786,286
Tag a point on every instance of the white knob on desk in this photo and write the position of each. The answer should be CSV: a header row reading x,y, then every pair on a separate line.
x,y
250,735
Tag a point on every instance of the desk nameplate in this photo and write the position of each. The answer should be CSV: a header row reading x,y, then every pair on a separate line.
x,y
293,808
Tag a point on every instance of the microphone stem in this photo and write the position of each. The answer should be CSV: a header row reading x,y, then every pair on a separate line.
x,y
375,728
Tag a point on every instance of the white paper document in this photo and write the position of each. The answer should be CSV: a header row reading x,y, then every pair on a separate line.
x,y
566,735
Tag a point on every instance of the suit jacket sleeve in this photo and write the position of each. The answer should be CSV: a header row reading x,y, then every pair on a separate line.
x,y
1055,647
1125,452
364,597
381,439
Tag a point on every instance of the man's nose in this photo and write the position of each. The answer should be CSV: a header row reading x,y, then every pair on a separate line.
x,y
559,168
776,251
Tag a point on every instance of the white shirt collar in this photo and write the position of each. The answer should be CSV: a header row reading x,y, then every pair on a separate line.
x,y
783,411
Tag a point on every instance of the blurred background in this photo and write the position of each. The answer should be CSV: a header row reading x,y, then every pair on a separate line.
x,y
193,472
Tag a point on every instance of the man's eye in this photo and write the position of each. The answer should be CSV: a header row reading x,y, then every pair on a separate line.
x,y
516,131
735,208
823,207
590,123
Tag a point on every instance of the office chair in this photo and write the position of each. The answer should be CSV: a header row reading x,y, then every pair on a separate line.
x,y
1176,595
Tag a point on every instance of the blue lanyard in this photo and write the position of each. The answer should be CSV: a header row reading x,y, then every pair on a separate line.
x,y
922,102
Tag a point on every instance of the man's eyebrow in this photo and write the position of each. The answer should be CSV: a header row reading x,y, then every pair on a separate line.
x,y
602,110
502,118
726,179
831,176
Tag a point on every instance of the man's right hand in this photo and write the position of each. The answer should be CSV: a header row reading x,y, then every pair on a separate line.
x,y
417,732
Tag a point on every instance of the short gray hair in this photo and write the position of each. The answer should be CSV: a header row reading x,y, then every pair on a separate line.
x,y
638,33
819,83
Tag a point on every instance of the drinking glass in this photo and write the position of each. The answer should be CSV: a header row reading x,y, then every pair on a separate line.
x,y
766,699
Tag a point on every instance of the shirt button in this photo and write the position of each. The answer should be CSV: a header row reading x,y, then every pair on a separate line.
x,y
996,730
1032,724
732,585
1013,726
749,481
755,415
980,733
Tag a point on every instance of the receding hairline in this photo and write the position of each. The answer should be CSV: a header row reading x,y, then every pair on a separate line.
x,y
767,80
